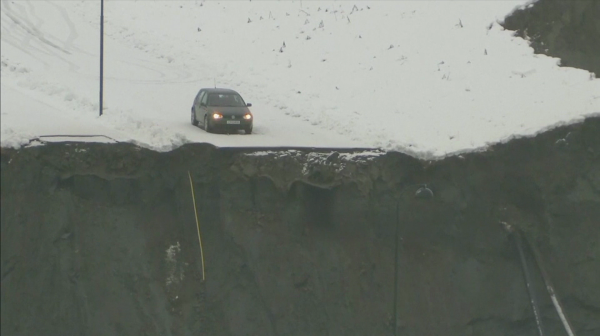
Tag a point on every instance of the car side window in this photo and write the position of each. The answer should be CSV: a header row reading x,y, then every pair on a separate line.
x,y
203,99
199,97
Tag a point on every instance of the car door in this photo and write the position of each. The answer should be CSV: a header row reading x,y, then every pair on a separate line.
x,y
202,108
196,105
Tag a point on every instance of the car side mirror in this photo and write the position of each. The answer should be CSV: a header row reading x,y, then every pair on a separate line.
x,y
249,104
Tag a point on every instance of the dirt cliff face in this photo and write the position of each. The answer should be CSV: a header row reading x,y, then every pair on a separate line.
x,y
101,240
569,30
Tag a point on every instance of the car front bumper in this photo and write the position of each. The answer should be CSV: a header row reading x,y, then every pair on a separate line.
x,y
228,122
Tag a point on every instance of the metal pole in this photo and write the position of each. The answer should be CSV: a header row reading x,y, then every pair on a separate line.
x,y
101,54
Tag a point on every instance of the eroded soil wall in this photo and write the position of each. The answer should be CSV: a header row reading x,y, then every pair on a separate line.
x,y
101,240
569,30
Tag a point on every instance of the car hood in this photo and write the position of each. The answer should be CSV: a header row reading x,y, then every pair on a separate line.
x,y
229,111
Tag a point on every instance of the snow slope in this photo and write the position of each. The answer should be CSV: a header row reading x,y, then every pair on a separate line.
x,y
430,78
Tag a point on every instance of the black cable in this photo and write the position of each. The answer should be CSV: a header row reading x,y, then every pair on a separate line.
x,y
532,297
395,315
549,286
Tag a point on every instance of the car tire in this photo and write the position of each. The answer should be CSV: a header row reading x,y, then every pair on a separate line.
x,y
194,121
207,125
248,130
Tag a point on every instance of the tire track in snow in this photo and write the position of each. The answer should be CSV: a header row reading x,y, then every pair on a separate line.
x,y
164,78
25,41
10,36
14,44
38,24
176,73
32,31
28,27
160,73
73,35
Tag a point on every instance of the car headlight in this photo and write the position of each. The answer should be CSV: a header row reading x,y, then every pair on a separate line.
x,y
248,116
217,116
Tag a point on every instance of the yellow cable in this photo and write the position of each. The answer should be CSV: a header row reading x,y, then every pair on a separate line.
x,y
197,224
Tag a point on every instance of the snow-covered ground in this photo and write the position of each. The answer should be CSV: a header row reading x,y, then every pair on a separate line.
x,y
428,78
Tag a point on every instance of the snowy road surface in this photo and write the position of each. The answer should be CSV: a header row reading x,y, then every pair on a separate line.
x,y
427,78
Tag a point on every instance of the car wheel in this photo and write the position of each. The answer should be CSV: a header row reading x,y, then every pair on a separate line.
x,y
207,125
248,130
194,121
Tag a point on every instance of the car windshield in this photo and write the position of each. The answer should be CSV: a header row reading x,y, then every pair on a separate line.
x,y
225,99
